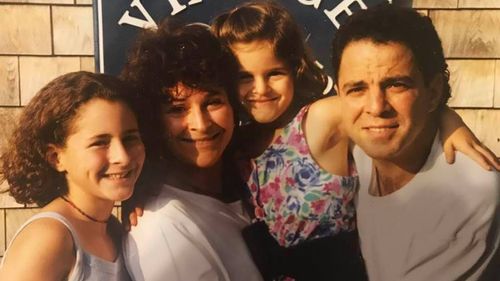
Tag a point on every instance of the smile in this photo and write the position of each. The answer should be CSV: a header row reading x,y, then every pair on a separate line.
x,y
381,129
118,176
262,100
202,140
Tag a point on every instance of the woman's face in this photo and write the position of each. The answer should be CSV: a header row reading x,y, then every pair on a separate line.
x,y
266,84
198,125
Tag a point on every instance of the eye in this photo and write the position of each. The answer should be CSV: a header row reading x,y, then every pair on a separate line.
x,y
277,73
215,102
398,85
99,143
244,77
174,109
355,90
132,138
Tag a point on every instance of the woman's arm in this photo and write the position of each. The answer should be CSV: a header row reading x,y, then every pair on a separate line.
x,y
456,136
43,250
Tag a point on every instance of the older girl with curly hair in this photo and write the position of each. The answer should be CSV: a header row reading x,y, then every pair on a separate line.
x,y
76,151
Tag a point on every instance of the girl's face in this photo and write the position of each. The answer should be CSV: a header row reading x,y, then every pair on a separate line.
x,y
198,125
265,83
104,153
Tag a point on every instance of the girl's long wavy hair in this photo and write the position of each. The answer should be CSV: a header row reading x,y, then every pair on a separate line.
x,y
49,119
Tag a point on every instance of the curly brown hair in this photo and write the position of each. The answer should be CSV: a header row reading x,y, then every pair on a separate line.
x,y
176,53
48,119
264,20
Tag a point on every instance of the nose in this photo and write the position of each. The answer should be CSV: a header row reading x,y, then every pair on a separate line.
x,y
260,86
376,102
118,153
199,120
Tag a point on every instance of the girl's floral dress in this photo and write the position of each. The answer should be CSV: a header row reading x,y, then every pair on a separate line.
x,y
294,196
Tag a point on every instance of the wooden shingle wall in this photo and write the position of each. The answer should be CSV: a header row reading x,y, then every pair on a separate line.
x,y
41,39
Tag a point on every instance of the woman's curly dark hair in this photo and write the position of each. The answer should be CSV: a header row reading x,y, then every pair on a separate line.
x,y
265,20
48,119
175,53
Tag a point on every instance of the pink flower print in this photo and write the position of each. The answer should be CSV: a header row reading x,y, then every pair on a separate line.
x,y
270,191
297,140
259,212
278,140
278,200
290,219
253,187
309,228
328,187
332,187
277,225
318,206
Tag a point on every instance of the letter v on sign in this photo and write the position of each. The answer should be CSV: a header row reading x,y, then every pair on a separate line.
x,y
127,19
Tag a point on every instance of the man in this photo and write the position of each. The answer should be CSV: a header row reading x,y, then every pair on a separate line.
x,y
419,218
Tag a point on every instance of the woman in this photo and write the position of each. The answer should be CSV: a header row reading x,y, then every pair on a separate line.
x,y
191,227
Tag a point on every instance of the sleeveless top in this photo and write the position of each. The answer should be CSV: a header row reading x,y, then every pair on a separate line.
x,y
87,267
294,196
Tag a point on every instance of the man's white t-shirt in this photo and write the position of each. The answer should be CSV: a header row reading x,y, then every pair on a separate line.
x,y
442,225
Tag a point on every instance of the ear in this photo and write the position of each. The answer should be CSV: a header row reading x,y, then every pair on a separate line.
x,y
53,157
436,92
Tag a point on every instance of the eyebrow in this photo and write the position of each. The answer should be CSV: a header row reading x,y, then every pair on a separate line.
x,y
102,136
384,82
404,78
209,93
276,68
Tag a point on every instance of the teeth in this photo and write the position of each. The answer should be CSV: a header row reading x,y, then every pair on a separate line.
x,y
379,129
117,176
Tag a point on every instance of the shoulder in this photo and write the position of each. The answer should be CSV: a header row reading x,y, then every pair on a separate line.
x,y
162,209
325,115
468,171
326,109
55,235
45,246
462,180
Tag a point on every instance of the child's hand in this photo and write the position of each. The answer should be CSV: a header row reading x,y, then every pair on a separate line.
x,y
130,213
463,140
456,136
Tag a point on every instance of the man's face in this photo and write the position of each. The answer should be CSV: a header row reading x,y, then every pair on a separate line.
x,y
386,103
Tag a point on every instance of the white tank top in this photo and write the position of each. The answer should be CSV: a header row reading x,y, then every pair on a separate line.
x,y
87,267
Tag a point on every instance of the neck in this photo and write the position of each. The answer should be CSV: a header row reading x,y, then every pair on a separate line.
x,y
206,180
390,175
88,208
